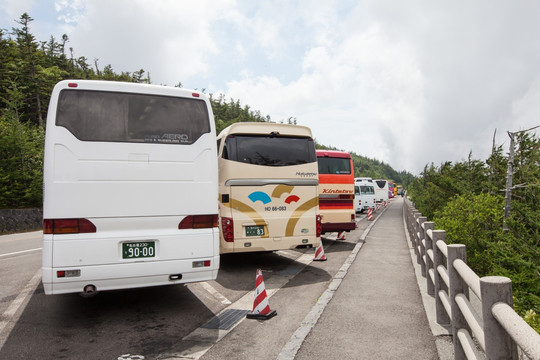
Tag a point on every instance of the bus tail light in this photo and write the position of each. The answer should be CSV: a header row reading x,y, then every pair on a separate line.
x,y
68,226
227,228
319,225
198,222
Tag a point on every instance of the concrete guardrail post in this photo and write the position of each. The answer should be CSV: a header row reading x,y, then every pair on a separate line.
x,y
457,286
439,259
414,237
421,250
429,225
499,345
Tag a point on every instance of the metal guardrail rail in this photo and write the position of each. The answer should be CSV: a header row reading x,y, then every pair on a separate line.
x,y
498,329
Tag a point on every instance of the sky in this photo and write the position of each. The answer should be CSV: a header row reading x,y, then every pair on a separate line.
x,y
409,83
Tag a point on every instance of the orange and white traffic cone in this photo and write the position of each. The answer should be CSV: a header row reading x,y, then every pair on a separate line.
x,y
378,207
369,214
341,235
386,204
319,254
261,308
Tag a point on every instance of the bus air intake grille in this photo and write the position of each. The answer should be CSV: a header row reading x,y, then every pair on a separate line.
x,y
226,320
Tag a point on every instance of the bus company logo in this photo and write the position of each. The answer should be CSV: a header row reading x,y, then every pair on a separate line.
x,y
332,191
168,138
265,199
306,174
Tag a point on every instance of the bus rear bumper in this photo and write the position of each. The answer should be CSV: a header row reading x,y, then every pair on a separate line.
x,y
128,276
333,227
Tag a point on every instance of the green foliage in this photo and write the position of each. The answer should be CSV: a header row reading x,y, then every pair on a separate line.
x,y
466,199
473,220
228,113
21,158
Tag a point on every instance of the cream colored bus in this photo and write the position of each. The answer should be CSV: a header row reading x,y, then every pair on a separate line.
x,y
268,188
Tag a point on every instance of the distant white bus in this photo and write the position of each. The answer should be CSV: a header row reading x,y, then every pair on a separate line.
x,y
130,187
381,189
364,194
268,188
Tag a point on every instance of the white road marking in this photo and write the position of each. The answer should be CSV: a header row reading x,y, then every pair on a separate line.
x,y
215,293
10,317
20,252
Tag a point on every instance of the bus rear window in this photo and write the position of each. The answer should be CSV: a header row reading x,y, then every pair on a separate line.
x,y
128,117
269,150
368,190
328,165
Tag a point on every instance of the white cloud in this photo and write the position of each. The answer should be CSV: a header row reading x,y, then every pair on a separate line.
x,y
170,39
14,8
363,94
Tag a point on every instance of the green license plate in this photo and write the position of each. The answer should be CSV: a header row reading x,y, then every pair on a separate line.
x,y
137,250
255,230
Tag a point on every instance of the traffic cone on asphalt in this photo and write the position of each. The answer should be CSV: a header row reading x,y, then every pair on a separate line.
x,y
341,235
378,207
319,253
261,308
386,204
369,214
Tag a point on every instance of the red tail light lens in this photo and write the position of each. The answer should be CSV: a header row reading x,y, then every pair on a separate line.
x,y
199,222
319,225
227,227
68,226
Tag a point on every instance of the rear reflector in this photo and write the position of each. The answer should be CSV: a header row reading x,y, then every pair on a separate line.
x,y
319,225
68,273
199,222
68,226
199,264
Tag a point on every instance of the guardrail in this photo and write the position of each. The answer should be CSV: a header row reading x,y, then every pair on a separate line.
x,y
497,328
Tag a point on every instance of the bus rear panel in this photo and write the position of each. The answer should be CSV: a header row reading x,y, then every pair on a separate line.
x,y
268,188
336,191
130,188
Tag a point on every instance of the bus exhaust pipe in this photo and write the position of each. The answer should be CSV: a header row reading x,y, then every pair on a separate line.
x,y
89,291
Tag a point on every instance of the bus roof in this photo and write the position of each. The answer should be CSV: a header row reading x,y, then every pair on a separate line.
x,y
265,128
333,153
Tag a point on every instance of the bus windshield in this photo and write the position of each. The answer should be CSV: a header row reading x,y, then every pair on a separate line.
x,y
269,150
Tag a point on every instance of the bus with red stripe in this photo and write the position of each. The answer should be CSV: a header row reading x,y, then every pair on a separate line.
x,y
336,191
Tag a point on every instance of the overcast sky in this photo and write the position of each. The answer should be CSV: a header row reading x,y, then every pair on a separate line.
x,y
406,82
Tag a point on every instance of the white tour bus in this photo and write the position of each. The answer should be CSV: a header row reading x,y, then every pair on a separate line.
x,y
364,194
130,187
381,189
268,188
